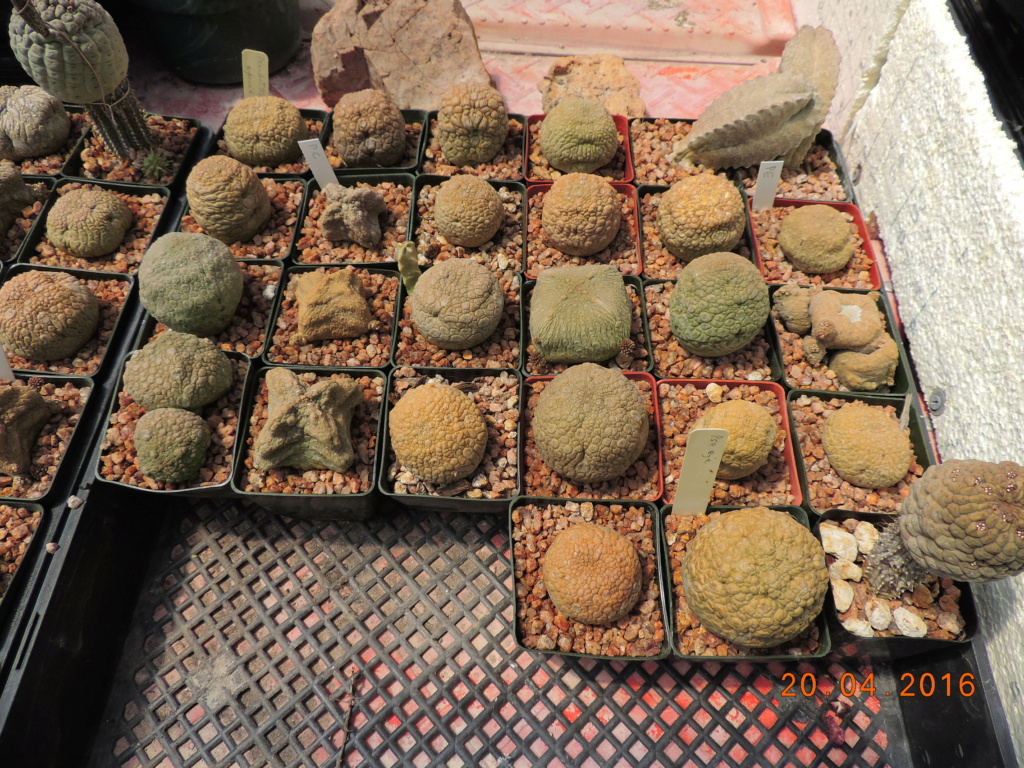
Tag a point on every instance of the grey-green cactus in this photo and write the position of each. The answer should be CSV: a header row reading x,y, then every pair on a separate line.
x,y
308,426
812,52
23,414
472,124
177,370
88,223
580,314
171,444
32,123
458,304
46,315
227,199
190,282
72,48
578,135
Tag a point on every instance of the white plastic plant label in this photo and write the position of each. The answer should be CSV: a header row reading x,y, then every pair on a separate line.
x,y
318,162
907,407
768,177
255,74
6,374
704,449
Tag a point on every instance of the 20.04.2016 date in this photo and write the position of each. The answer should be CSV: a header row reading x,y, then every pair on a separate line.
x,y
926,684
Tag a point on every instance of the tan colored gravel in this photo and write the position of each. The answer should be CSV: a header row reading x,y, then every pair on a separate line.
x,y
817,178
17,527
653,142
172,136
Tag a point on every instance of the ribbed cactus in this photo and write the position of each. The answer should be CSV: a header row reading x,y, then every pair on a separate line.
x,y
72,48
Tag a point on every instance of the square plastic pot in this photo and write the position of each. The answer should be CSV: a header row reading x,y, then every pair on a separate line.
x,y
761,255
923,453
848,645
411,116
35,220
308,115
439,502
312,506
165,220
630,263
903,380
657,556
119,332
825,140
770,347
824,640
383,253
642,339
788,457
621,124
589,491
432,150
272,356
646,173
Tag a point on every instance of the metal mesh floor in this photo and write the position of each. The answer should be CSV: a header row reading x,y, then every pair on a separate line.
x,y
264,641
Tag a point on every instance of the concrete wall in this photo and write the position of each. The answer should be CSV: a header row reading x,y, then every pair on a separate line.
x,y
945,186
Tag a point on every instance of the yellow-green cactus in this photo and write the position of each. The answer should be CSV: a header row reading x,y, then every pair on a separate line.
x,y
472,124
578,135
264,130
171,444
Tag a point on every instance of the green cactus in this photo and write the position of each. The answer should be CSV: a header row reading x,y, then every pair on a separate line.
x,y
177,370
171,444
72,48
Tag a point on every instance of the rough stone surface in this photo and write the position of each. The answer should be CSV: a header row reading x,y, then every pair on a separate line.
x,y
844,569
331,306
842,594
46,315
592,574
415,49
878,613
866,535
308,426
858,627
838,542
602,76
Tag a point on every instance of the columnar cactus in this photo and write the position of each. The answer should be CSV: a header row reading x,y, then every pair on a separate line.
x,y
72,48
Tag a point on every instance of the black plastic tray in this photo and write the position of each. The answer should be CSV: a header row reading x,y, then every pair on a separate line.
x,y
848,645
824,642
659,574
903,381
342,506
525,302
411,116
437,503
428,127
307,114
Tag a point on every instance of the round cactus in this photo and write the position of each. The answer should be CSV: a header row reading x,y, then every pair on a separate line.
x,y
32,123
46,315
472,124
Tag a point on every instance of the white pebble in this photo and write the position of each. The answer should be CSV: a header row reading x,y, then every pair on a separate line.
x,y
908,623
755,376
878,613
950,622
846,570
838,542
858,627
842,593
866,535
714,393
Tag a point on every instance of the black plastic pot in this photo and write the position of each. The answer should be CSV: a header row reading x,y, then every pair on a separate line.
x,y
520,146
307,114
411,116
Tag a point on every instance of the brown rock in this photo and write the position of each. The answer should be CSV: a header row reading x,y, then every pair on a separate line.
x,y
603,77
356,45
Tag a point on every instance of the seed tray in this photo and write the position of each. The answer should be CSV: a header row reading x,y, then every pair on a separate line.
x,y
309,115
848,645
903,379
233,636
412,116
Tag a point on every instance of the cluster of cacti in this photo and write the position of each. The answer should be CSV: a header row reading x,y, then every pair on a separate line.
x,y
369,129
777,115
330,306
467,211
457,304
719,304
578,135
23,414
190,282
446,446
308,426
264,130
46,315
88,223
73,49
352,214
851,323
15,196
580,314
32,123
472,124
227,199
581,214
177,370
816,239
701,214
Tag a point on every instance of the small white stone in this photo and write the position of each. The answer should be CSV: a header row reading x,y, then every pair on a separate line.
x,y
408,478
858,627
842,593
755,376
844,569
866,535
908,623
838,542
950,622
480,481
714,392
878,613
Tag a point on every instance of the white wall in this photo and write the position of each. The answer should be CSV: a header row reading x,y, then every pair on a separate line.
x,y
946,188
